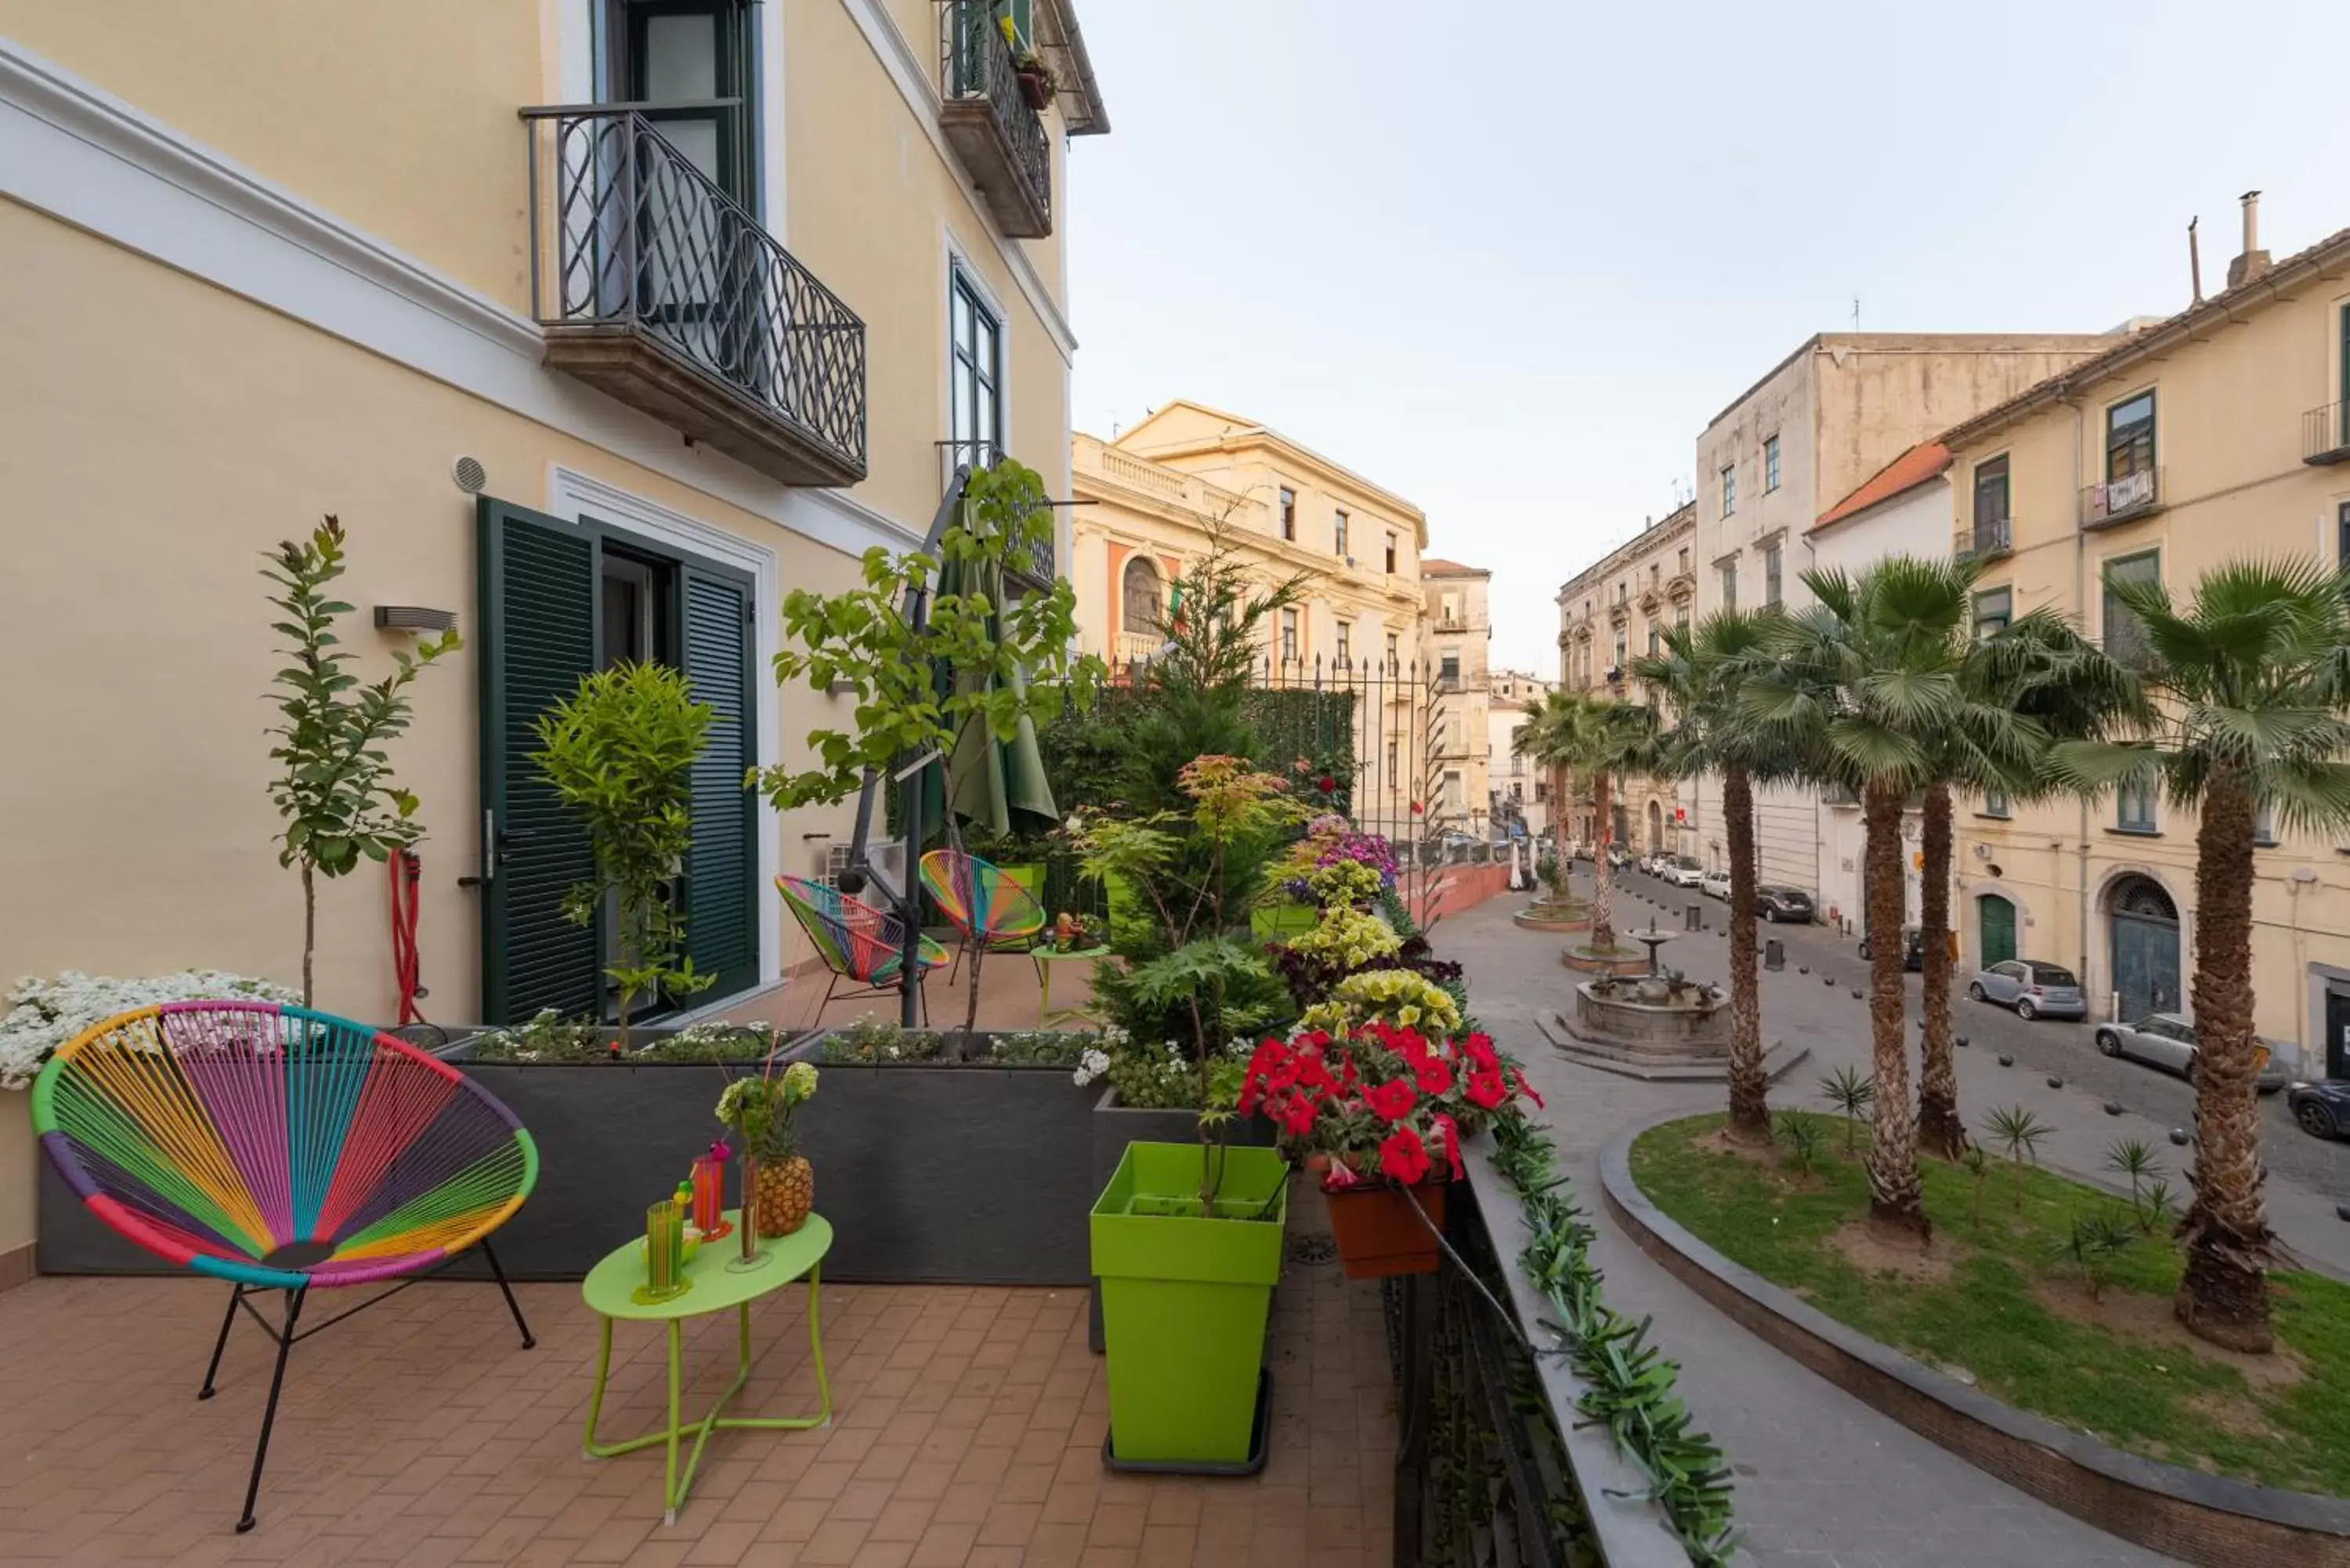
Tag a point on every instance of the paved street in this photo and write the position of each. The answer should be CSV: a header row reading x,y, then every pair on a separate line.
x,y
1824,1482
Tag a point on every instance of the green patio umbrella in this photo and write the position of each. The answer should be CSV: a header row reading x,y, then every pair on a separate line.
x,y
1000,785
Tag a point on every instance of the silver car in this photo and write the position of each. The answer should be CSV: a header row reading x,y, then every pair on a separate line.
x,y
2168,1040
1685,872
2034,989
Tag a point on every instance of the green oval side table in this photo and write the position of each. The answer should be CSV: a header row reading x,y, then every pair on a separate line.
x,y
713,1288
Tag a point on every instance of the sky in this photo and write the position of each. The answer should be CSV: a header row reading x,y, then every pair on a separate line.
x,y
1507,257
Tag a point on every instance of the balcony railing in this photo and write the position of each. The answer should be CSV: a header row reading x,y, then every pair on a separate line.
x,y
2119,500
1990,538
2326,434
999,140
1042,565
654,285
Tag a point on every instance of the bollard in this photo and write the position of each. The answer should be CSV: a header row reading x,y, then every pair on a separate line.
x,y
1695,917
1774,954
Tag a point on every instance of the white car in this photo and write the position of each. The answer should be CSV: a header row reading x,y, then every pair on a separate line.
x,y
1685,872
1715,885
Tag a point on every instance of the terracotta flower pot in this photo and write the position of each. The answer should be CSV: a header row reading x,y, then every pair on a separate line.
x,y
1378,1234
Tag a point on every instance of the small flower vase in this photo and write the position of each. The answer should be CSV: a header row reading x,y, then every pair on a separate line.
x,y
664,1254
747,1219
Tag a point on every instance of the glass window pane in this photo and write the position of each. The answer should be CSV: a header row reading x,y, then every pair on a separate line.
x,y
984,427
680,58
966,423
963,336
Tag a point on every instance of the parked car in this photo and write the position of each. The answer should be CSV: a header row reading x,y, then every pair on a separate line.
x,y
2032,987
2168,1040
1913,949
1775,903
2323,1108
1685,872
1714,884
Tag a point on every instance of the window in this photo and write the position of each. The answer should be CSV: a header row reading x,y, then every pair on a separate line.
x,y
2343,560
1392,769
2124,637
975,376
1138,588
1391,653
690,51
1618,665
2129,437
1656,573
1448,671
2265,825
1770,464
1452,796
1655,638
1730,585
1771,574
1991,495
1994,608
1288,513
1995,804
1729,490
1449,610
1338,534
2134,808
1682,570
1345,642
1289,637
1391,555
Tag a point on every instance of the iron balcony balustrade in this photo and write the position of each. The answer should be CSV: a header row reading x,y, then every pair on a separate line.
x,y
1990,538
2326,435
2132,495
1042,565
999,140
652,284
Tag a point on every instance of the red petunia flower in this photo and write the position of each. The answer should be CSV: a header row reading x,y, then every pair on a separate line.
x,y
1297,1116
1326,784
1432,1074
1519,1081
1403,1158
1451,1132
1486,1089
1393,1100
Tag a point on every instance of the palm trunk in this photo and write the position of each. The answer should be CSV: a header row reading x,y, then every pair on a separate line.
x,y
309,929
2223,1295
1603,891
1895,1200
1939,1130
1750,1109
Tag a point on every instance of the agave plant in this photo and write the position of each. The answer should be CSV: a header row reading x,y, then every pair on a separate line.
x,y
1851,1091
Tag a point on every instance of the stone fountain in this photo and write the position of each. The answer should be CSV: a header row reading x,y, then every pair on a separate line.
x,y
1661,1024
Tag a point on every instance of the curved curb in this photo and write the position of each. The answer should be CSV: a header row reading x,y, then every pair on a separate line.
x,y
1527,920
1622,968
2201,1519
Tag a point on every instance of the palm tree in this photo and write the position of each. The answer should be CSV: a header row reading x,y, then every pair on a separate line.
x,y
2253,680
1699,674
1572,731
1532,741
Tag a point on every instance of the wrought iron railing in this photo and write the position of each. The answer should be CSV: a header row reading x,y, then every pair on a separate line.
x,y
635,235
1990,538
2118,500
2326,434
1041,567
975,62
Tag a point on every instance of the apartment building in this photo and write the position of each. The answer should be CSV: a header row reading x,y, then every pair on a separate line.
x,y
1521,791
1458,632
594,380
1811,430
2220,434
1153,502
1612,611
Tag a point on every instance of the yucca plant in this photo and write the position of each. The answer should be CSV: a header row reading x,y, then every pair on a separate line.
x,y
1852,1091
2093,1245
1800,1134
2018,1131
2134,1158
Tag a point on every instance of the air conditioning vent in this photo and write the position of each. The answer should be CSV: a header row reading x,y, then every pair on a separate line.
x,y
888,858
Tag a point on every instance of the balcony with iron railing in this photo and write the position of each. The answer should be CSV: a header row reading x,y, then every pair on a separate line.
x,y
990,106
2121,500
1988,540
2326,434
1042,562
654,285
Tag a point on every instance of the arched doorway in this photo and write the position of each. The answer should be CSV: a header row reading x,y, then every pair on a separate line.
x,y
1994,929
1139,614
1656,827
2142,925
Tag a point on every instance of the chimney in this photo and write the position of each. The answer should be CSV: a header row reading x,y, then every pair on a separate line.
x,y
2254,261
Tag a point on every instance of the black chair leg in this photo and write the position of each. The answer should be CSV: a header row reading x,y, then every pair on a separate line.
x,y
228,1320
269,1411
514,1306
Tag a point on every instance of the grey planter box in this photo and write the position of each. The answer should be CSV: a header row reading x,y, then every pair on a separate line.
x,y
613,1139
941,1173
1114,1127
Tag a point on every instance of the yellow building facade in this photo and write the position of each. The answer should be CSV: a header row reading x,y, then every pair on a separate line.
x,y
596,380
2218,434
1459,634
1151,505
1610,613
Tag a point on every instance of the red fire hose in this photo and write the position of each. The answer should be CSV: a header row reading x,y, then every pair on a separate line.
x,y
407,871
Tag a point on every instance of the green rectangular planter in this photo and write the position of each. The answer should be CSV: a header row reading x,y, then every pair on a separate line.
x,y
1272,922
1185,1299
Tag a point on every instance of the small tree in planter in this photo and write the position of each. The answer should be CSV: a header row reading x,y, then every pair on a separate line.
x,y
336,794
620,752
975,667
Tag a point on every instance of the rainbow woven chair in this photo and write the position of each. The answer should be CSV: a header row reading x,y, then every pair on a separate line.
x,y
988,905
280,1149
857,942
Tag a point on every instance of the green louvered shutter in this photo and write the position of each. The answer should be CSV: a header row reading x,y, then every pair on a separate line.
x,y
722,921
537,637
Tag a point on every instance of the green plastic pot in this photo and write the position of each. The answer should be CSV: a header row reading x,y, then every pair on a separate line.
x,y
1185,1299
1272,922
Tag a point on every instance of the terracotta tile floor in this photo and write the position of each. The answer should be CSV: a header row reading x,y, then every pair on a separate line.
x,y
968,1432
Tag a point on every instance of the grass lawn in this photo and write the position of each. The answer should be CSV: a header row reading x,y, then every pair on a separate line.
x,y
1997,1298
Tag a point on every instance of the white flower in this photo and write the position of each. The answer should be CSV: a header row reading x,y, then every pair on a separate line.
x,y
44,1013
1092,1064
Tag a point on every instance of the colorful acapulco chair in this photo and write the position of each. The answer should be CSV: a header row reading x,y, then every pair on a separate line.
x,y
986,903
857,942
279,1150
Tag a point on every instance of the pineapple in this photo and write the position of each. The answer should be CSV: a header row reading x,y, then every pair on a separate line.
x,y
787,1191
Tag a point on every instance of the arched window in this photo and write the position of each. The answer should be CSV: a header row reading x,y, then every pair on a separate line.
x,y
1142,598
